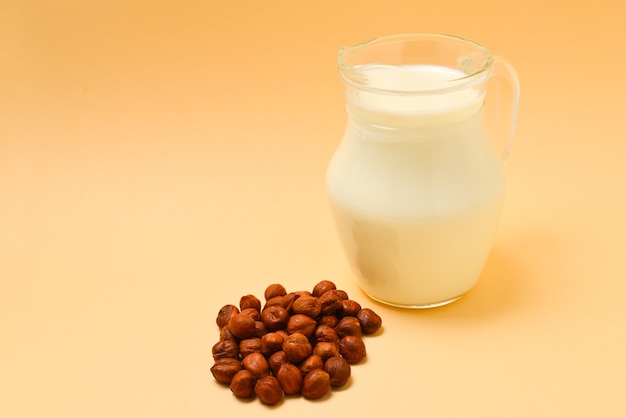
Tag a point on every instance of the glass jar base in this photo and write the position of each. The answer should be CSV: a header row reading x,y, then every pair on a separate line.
x,y
416,305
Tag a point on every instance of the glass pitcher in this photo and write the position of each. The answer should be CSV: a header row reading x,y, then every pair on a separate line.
x,y
416,185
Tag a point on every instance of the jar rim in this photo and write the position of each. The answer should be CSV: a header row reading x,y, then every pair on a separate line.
x,y
352,75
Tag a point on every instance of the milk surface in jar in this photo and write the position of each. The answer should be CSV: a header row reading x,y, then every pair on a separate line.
x,y
415,187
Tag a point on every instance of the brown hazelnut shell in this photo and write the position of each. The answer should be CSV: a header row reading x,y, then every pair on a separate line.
x,y
274,290
349,308
249,302
348,325
276,360
275,318
257,364
312,362
326,350
370,320
352,348
225,349
339,371
322,287
297,347
307,305
290,378
330,302
303,324
224,369
325,333
249,346
242,326
224,315
315,384
268,390
271,343
242,383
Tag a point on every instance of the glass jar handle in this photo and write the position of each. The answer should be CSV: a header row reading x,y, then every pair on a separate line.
x,y
506,107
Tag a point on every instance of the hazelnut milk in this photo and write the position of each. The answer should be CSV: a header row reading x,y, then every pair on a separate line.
x,y
415,187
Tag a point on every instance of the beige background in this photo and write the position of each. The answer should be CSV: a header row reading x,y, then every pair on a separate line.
x,y
159,159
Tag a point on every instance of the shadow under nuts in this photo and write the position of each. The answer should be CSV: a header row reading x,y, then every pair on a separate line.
x,y
298,343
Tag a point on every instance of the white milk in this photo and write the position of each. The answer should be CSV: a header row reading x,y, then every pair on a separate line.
x,y
416,189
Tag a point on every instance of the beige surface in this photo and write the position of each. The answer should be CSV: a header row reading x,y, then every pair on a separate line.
x,y
161,159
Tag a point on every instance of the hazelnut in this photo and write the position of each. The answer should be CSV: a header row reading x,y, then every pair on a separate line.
x,y
348,308
242,326
225,334
242,384
249,346
315,384
274,290
326,350
271,343
301,293
301,323
223,316
268,390
288,300
276,360
253,312
224,369
297,347
275,301
348,325
297,343
249,301
257,364
313,362
342,295
324,333
275,318
330,320
352,349
307,305
330,302
290,378
283,333
259,329
339,371
322,287
225,349
370,321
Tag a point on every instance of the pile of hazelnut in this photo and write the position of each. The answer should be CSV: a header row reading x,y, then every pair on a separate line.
x,y
298,343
